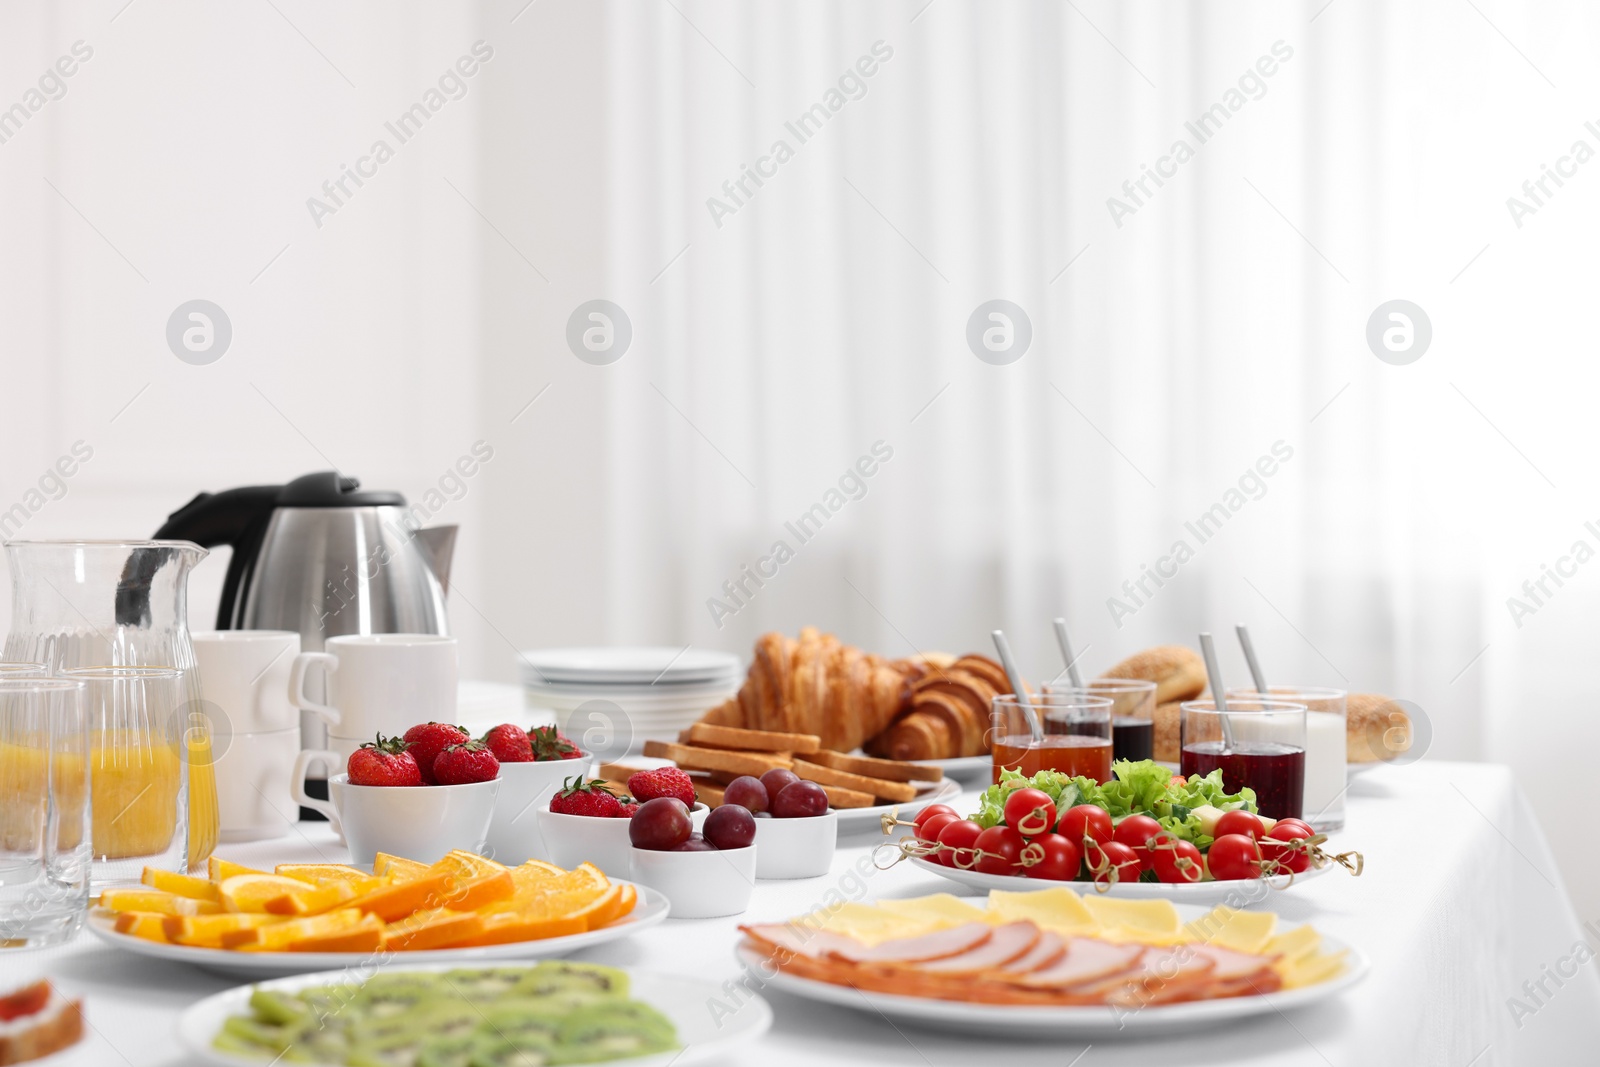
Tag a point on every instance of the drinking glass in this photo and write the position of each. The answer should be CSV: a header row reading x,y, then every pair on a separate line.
x,y
1076,737
1267,754
140,760
1325,748
44,818
1133,713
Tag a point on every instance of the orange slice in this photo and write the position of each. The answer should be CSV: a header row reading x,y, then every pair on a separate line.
x,y
467,866
365,936
145,924
181,885
432,929
481,892
252,892
218,870
504,928
600,911
588,873
205,931
156,901
397,900
534,868
277,937
322,898
402,869
322,873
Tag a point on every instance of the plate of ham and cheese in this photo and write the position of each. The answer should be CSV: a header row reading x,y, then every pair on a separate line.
x,y
1050,963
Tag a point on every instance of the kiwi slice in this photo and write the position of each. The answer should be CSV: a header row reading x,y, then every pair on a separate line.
x,y
613,1030
397,994
572,983
454,1051
319,1046
527,1053
280,1008
518,1019
483,983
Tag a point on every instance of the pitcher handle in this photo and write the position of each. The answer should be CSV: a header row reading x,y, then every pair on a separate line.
x,y
297,684
297,781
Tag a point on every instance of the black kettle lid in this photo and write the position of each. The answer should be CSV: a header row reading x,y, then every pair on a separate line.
x,y
330,489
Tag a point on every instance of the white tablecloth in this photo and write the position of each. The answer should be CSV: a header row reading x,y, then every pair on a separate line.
x,y
1460,906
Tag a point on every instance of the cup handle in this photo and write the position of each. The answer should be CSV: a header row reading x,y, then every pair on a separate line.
x,y
297,781
297,684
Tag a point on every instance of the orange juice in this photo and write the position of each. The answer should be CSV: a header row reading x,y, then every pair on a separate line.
x,y
1074,754
205,817
134,783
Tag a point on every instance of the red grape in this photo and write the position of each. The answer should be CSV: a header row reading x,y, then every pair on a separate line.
x,y
747,792
660,824
800,800
774,781
730,826
694,843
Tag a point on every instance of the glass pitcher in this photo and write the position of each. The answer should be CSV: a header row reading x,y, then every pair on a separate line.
x,y
121,604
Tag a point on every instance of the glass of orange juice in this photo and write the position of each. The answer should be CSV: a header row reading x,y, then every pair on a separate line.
x,y
1070,733
139,770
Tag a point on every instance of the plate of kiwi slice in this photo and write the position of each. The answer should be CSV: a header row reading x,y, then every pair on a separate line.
x,y
547,1013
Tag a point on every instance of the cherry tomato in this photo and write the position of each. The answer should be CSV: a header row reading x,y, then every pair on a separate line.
x,y
1176,861
1302,824
1055,858
930,811
1030,812
1086,821
1240,822
1113,863
1234,857
999,850
1177,780
958,839
1281,855
1134,831
929,831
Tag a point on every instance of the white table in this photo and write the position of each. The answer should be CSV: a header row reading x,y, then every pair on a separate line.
x,y
1459,906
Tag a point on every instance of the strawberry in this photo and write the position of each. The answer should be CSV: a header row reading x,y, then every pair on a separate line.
x,y
628,808
509,744
386,761
550,743
662,782
463,764
579,797
428,740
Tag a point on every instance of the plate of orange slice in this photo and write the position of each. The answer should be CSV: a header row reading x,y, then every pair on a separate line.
x,y
309,917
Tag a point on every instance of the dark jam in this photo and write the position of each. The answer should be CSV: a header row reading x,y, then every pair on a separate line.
x,y
1275,771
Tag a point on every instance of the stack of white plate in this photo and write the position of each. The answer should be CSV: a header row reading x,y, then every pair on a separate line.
x,y
657,691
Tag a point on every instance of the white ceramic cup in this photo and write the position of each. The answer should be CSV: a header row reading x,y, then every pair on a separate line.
x,y
699,885
421,823
568,840
525,789
379,683
245,673
796,848
253,793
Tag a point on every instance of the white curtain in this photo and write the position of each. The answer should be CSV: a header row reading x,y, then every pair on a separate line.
x,y
1224,319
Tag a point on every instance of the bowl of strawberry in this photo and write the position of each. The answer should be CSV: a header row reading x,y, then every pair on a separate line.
x,y
702,874
587,820
534,764
385,802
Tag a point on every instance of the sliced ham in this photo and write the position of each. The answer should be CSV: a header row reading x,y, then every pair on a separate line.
x,y
922,948
1231,964
795,939
1085,960
1006,943
1160,975
1045,952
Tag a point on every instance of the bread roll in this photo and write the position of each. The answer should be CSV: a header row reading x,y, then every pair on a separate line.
x,y
1179,672
1376,728
1167,746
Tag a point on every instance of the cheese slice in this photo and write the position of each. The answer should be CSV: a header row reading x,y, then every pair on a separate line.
x,y
869,924
1058,909
1242,931
1309,970
943,908
1298,943
1153,922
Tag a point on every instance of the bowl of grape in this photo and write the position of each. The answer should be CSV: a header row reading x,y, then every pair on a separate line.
x,y
796,832
703,873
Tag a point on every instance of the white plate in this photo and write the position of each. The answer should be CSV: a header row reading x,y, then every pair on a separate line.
x,y
966,768
1239,894
627,666
1007,1021
852,819
651,909
683,1000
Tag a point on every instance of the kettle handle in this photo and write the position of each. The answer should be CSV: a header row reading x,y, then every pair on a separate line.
x,y
234,517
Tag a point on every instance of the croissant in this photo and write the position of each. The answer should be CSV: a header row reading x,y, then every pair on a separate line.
x,y
816,685
949,713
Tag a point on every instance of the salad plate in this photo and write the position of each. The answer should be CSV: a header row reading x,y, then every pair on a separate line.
x,y
1097,1022
1237,894
651,909
701,1034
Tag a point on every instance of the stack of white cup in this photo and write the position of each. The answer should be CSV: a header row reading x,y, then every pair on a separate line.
x,y
244,675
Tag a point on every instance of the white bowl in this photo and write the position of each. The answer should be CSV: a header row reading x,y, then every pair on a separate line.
x,y
525,788
699,885
573,839
796,848
420,822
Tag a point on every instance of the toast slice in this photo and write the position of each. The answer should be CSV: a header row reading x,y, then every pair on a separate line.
x,y
709,736
869,767
691,758
900,792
